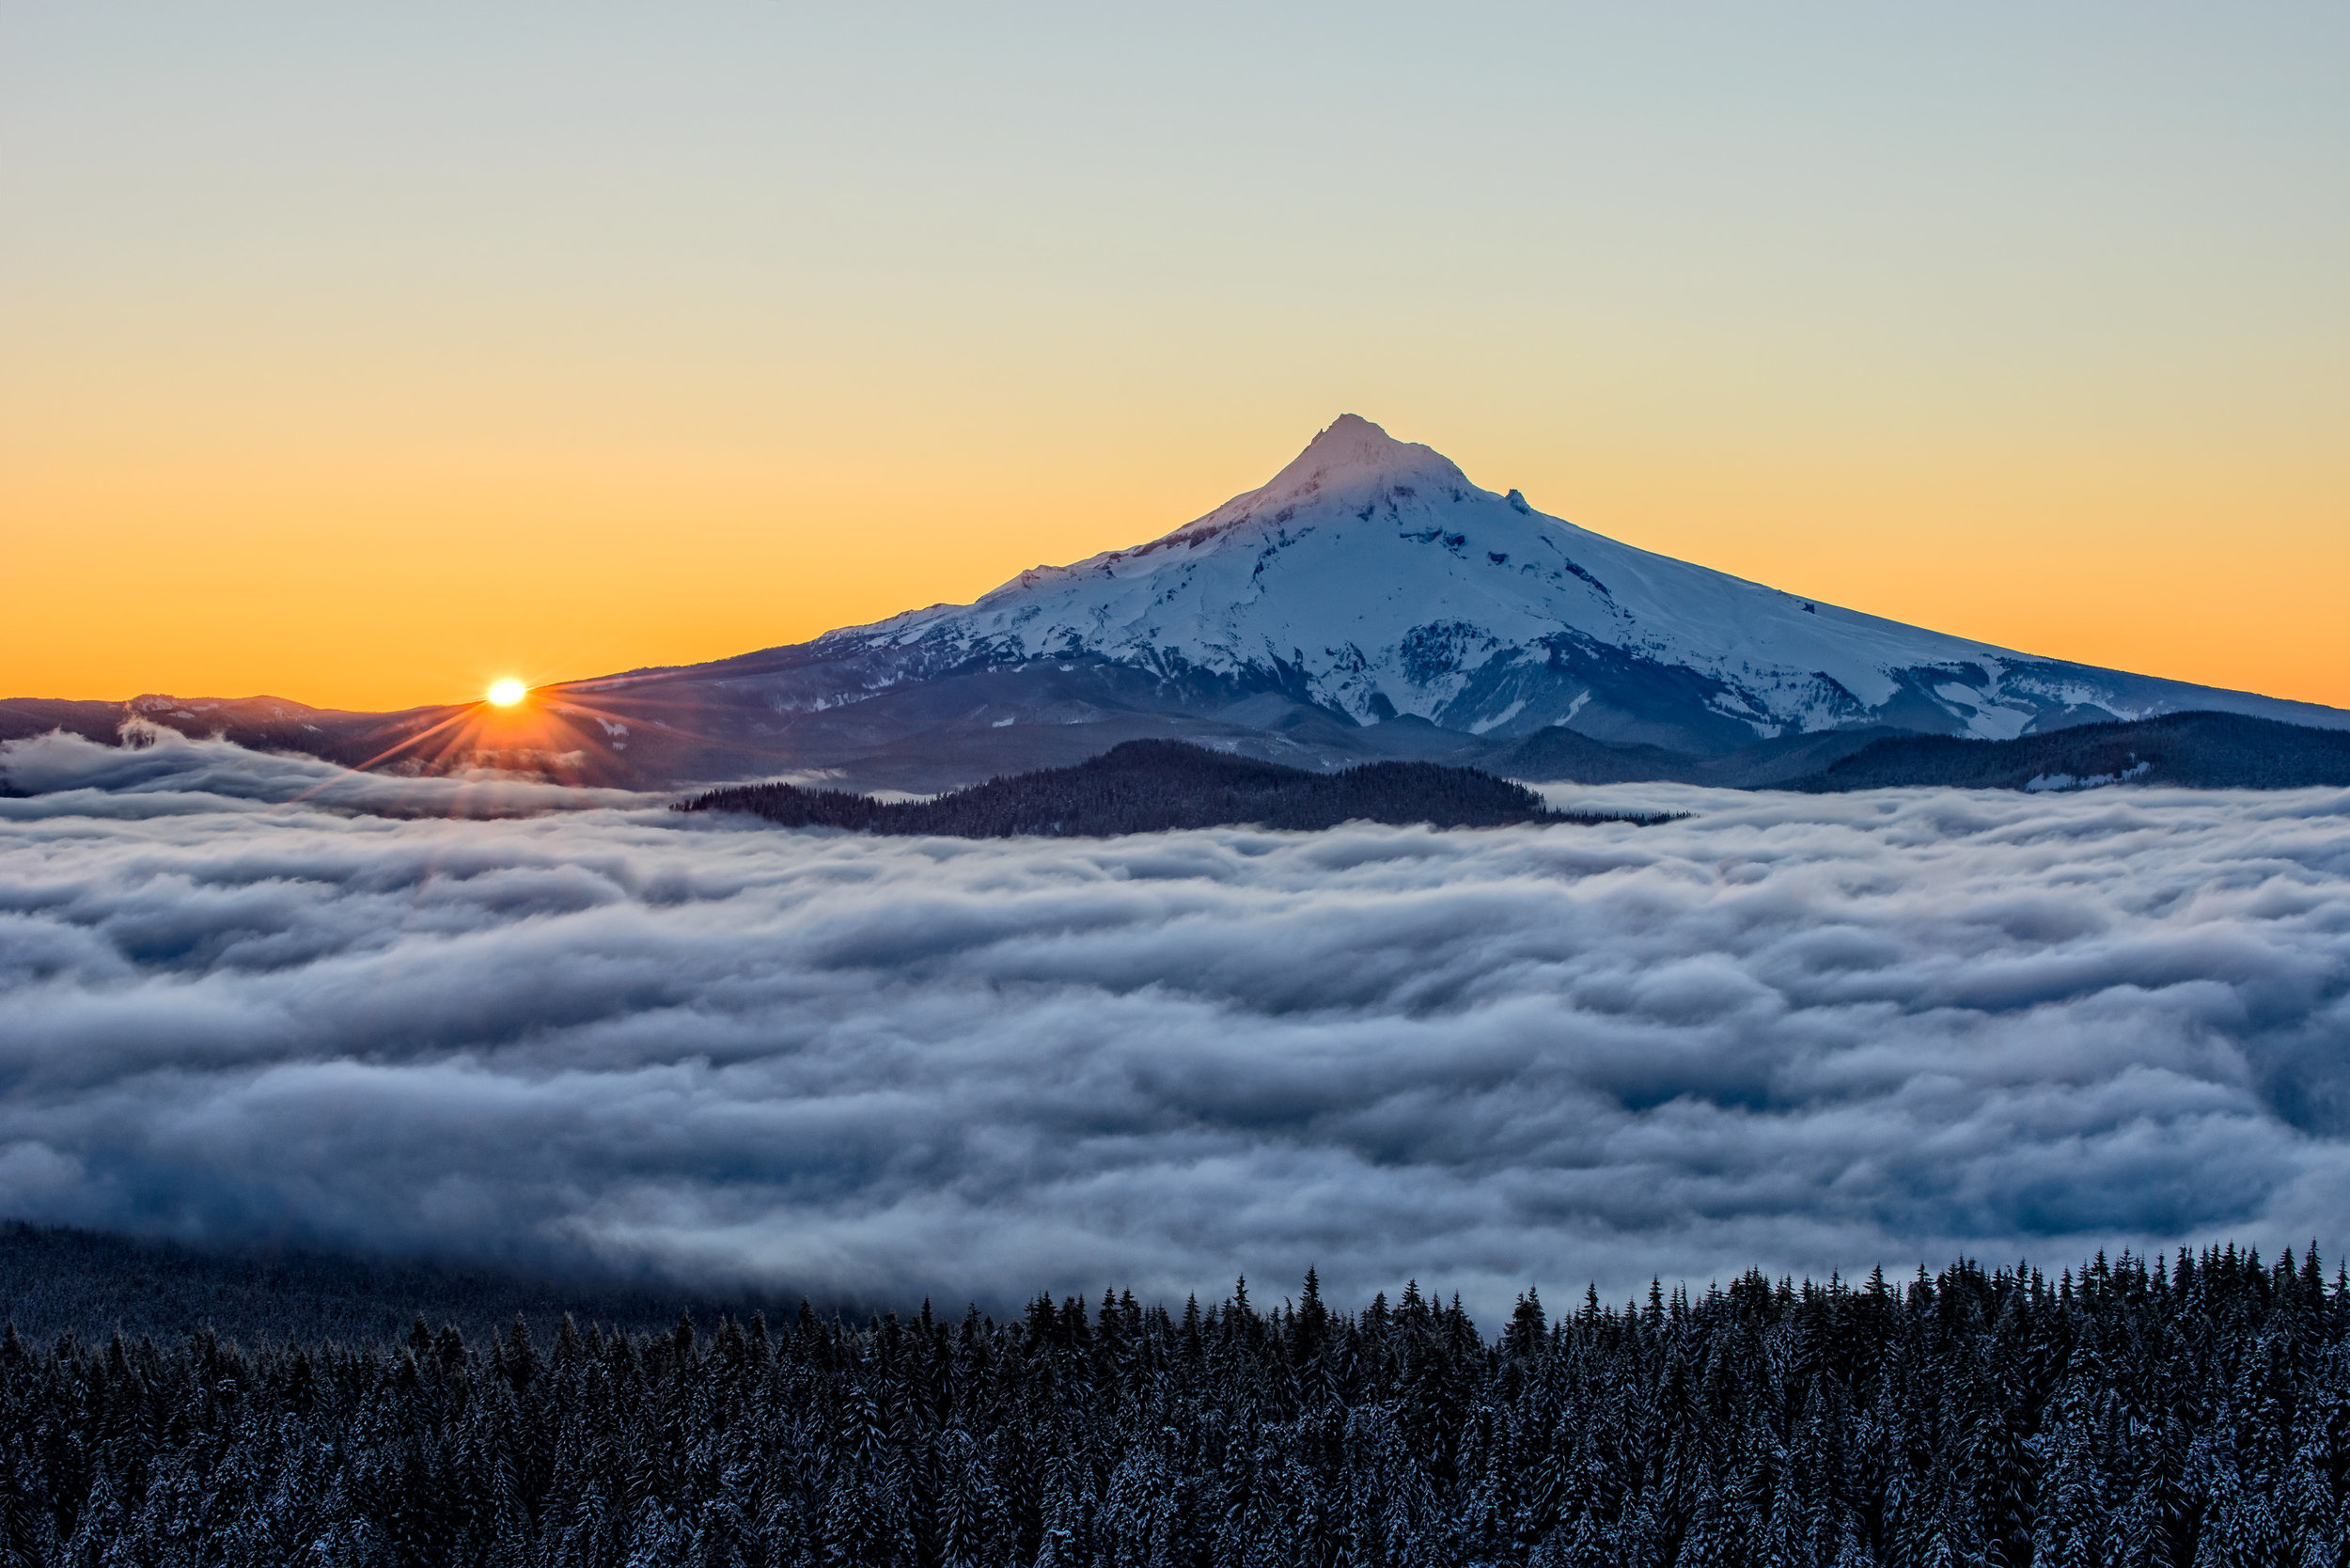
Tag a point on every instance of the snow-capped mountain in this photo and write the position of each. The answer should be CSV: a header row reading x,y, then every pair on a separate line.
x,y
1369,602
1371,578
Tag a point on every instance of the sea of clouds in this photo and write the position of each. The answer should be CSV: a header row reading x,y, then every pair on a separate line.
x,y
249,997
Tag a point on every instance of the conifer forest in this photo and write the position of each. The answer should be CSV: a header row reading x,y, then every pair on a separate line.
x,y
2193,1410
1158,786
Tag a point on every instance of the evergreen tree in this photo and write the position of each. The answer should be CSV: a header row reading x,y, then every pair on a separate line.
x,y
2195,1410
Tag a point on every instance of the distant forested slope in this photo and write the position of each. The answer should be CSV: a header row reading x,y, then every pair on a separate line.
x,y
2189,1412
1557,755
1153,786
2198,751
55,1280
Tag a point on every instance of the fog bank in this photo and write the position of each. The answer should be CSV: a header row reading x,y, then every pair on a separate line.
x,y
1801,1033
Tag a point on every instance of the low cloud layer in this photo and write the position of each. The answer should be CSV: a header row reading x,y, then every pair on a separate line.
x,y
1791,1032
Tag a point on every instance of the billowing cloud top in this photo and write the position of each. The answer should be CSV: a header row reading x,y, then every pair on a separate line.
x,y
1802,1033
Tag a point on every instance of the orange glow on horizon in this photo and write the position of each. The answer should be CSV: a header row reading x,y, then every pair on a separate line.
x,y
240,588
506,693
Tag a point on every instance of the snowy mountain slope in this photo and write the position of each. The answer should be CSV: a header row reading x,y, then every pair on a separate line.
x,y
1372,579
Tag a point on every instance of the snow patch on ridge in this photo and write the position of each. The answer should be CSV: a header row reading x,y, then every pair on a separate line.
x,y
2041,783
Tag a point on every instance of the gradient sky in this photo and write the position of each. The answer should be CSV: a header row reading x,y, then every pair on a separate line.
x,y
359,353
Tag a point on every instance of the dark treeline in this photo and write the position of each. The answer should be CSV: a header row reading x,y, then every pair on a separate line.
x,y
2191,750
2193,1412
2195,751
1154,786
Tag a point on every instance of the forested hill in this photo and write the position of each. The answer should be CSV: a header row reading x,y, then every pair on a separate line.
x,y
2185,1413
2196,751
1153,786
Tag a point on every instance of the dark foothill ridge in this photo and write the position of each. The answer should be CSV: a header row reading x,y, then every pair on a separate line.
x,y
2193,751
1155,786
2190,750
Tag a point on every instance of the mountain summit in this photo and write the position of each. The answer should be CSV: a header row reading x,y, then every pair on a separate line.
x,y
1369,601
1352,450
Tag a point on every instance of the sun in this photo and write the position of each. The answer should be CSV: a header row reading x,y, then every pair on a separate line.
x,y
506,693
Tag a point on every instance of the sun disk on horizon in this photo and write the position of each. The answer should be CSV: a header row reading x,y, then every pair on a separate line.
x,y
504,694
